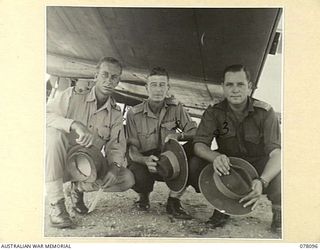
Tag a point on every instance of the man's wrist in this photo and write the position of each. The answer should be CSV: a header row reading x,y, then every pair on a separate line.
x,y
116,167
116,164
74,125
264,183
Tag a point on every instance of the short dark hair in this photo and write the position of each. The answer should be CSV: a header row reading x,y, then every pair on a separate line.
x,y
109,60
159,71
236,68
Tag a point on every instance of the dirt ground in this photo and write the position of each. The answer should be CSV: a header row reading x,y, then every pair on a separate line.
x,y
116,216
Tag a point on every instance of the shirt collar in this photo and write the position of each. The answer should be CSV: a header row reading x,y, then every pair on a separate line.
x,y
249,108
147,110
107,105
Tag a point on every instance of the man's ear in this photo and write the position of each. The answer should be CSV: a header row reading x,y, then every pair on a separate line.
x,y
95,76
250,85
168,90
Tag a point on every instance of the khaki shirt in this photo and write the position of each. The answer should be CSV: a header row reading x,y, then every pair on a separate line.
x,y
106,124
147,131
251,138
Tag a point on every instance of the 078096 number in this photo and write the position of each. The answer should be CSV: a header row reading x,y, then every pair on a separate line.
x,y
308,245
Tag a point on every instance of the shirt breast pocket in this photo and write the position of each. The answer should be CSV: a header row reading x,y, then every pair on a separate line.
x,y
252,133
104,132
225,131
147,139
145,135
169,125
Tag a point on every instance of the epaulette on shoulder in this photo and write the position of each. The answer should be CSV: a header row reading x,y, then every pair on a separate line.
x,y
137,109
261,104
172,101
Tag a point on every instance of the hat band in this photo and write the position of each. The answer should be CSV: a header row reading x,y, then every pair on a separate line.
x,y
223,189
174,163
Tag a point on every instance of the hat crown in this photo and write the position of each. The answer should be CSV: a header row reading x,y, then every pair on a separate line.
x,y
235,185
237,181
224,192
173,166
164,167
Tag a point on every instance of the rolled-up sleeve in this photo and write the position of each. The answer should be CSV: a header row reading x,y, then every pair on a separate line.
x,y
115,148
271,132
56,111
132,132
187,125
206,127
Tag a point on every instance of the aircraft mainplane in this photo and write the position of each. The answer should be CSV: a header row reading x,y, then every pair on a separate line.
x,y
193,44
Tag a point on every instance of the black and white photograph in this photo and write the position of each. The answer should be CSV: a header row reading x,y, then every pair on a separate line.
x,y
164,122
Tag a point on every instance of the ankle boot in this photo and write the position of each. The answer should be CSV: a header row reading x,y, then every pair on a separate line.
x,y
77,200
218,219
59,216
174,208
143,203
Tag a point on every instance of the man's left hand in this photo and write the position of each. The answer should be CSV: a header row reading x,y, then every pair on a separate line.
x,y
254,196
171,136
111,177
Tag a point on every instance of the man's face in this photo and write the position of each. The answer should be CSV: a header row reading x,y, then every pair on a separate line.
x,y
236,87
157,87
107,77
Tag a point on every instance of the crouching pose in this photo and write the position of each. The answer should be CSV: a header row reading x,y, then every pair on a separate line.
x,y
244,128
149,126
93,121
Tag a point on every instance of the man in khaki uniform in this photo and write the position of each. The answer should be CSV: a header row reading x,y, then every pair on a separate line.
x,y
149,125
96,120
243,127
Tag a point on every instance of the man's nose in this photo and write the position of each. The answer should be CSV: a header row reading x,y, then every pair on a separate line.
x,y
108,79
235,89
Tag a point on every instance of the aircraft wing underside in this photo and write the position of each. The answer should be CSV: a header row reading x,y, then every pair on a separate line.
x,y
194,45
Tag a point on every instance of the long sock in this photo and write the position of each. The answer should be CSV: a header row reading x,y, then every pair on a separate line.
x,y
54,190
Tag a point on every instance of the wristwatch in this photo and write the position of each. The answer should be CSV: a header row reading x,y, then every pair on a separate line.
x,y
181,136
117,165
264,183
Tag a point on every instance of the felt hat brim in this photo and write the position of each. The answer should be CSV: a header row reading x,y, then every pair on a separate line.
x,y
178,183
90,160
217,199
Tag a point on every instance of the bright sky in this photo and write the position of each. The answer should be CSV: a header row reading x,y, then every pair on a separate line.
x,y
269,85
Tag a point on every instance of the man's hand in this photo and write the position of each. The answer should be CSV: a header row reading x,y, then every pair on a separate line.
x,y
151,162
110,178
254,196
172,136
85,136
221,165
